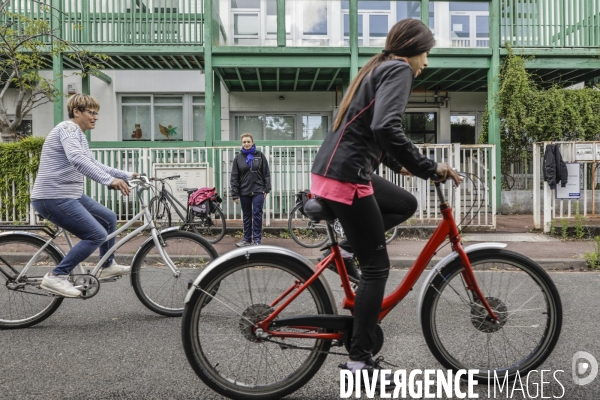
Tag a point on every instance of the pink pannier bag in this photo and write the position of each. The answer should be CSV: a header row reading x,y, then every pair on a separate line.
x,y
199,200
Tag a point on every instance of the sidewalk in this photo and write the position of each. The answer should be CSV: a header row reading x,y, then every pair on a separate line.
x,y
550,252
515,230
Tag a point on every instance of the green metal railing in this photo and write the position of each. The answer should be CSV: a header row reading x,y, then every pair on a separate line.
x,y
550,23
123,21
524,23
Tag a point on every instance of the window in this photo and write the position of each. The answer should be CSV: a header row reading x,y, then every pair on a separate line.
x,y
288,126
314,28
168,117
162,117
420,127
469,24
254,22
198,117
25,128
375,18
463,129
314,127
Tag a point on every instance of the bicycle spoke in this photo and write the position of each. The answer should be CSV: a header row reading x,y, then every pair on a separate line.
x,y
465,336
244,298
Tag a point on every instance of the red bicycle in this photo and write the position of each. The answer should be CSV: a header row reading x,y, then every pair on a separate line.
x,y
259,322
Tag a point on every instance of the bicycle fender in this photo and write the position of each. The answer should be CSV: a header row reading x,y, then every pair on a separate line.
x,y
445,261
150,239
41,238
245,255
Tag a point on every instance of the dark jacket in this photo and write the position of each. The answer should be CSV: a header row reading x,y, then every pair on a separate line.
x,y
371,131
555,169
249,182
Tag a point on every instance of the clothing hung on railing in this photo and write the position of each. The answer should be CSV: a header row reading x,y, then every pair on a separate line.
x,y
555,169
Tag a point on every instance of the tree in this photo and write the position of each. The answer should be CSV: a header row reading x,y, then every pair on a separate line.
x,y
27,46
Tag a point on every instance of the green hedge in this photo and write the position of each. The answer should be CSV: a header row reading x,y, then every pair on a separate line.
x,y
530,114
18,162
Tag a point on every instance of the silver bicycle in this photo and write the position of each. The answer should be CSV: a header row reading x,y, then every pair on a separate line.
x,y
163,267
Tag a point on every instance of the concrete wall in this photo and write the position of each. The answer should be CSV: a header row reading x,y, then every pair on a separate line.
x,y
123,82
521,202
516,202
182,82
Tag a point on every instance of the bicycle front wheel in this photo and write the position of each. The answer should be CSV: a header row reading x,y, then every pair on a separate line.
x,y
219,341
303,231
460,333
22,303
160,288
211,226
159,209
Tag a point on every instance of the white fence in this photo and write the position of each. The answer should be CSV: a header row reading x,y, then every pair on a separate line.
x,y
546,201
290,173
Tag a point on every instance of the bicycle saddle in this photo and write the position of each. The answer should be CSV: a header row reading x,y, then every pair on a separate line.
x,y
190,190
316,210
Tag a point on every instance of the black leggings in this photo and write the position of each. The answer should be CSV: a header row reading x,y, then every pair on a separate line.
x,y
365,223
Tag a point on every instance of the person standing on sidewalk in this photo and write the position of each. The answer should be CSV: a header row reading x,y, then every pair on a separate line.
x,y
250,184
367,130
58,194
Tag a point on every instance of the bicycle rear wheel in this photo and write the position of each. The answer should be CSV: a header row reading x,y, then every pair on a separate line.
x,y
22,303
156,285
218,338
303,231
211,226
391,234
159,209
458,330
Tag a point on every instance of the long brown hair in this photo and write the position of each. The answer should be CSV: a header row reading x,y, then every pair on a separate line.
x,y
409,37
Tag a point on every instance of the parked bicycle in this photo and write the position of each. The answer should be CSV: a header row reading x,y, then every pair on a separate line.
x,y
310,234
481,307
210,225
163,267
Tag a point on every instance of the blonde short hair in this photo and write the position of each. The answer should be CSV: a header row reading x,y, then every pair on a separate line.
x,y
246,135
82,102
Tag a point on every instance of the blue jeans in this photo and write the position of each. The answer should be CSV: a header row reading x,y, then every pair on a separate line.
x,y
85,218
252,213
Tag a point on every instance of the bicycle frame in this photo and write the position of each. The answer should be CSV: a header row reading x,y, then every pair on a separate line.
x,y
148,224
166,195
446,228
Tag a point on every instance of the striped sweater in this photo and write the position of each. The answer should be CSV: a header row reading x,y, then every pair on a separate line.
x,y
66,159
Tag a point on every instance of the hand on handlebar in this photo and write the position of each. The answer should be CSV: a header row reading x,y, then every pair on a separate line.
x,y
121,185
444,171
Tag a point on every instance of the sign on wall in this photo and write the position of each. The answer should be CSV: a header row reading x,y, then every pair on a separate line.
x,y
572,190
191,176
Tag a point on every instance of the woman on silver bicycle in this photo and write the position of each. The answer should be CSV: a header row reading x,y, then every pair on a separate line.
x,y
58,194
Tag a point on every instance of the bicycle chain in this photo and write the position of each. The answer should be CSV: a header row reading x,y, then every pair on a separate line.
x,y
304,348
378,360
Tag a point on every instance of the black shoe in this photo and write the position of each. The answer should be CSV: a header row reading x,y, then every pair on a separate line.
x,y
243,243
351,267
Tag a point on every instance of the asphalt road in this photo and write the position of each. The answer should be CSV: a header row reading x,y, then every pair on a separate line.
x,y
112,347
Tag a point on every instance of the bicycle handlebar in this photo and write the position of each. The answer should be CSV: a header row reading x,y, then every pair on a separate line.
x,y
166,178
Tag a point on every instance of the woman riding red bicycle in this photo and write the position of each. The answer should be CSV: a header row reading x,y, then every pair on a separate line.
x,y
367,131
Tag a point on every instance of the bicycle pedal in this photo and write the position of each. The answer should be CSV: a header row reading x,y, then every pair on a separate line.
x,y
110,279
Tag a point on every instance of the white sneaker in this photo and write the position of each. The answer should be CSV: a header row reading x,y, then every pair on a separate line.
x,y
59,285
114,270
